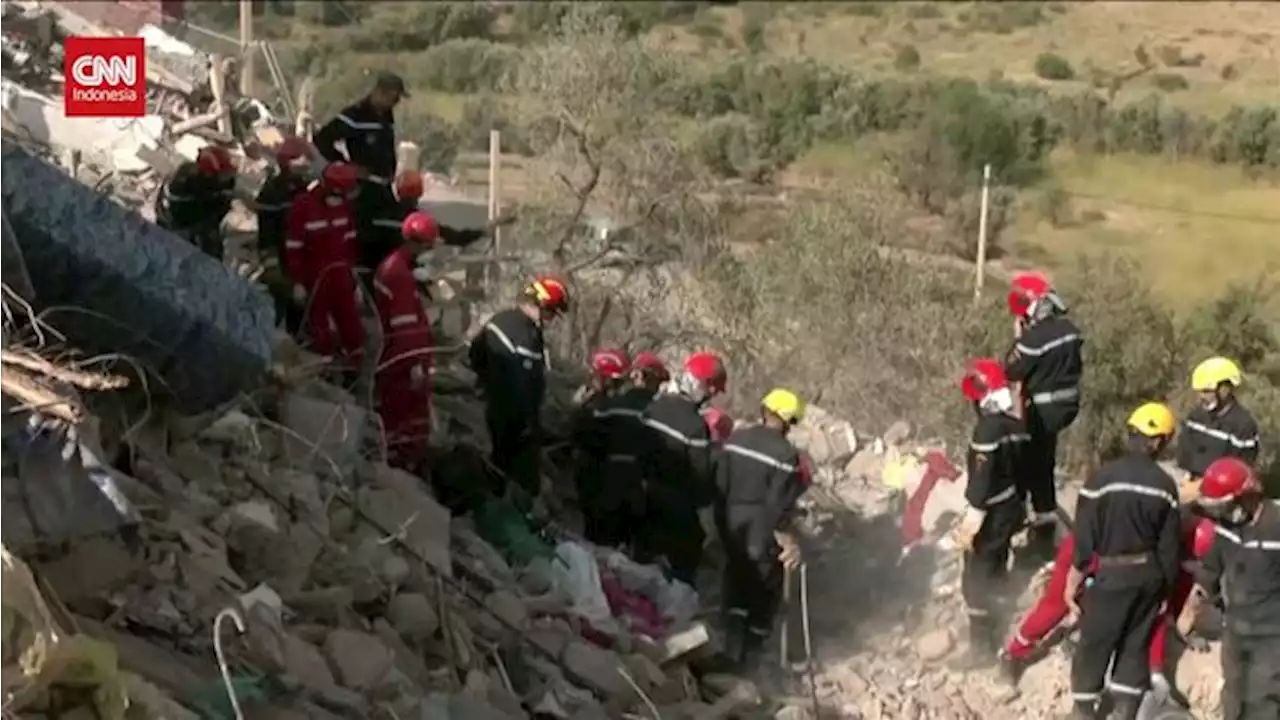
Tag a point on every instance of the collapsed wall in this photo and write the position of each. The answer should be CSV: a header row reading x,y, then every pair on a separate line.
x,y
150,295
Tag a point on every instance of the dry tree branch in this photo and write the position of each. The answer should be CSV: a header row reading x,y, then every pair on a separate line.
x,y
583,193
84,380
36,397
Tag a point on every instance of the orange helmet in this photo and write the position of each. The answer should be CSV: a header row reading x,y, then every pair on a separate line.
x,y
420,227
983,376
651,364
703,376
340,177
1200,541
610,364
409,185
1028,288
549,293
293,150
1225,480
213,160
719,423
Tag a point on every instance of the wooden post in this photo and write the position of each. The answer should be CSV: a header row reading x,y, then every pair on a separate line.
x,y
247,48
495,156
981,262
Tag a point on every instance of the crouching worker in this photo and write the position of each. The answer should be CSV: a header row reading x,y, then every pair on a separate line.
x,y
609,369
995,509
758,479
403,377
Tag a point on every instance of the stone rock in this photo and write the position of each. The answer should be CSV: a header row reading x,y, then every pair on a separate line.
x,y
551,637
328,425
196,465
594,668
507,606
413,616
409,662
897,433
398,501
934,645
843,441
94,566
359,661
303,661
864,465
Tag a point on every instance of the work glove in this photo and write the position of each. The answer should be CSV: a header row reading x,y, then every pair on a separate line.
x,y
299,294
417,377
968,528
790,555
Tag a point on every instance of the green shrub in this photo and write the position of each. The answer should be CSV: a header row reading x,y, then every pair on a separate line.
x,y
1055,206
907,59
434,136
463,66
865,9
738,146
1170,82
412,27
480,115
1051,66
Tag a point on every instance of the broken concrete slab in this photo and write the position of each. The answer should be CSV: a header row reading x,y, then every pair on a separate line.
x,y
359,661
326,431
305,663
413,615
399,503
594,668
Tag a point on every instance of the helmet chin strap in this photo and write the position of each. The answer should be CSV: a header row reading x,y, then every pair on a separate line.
x,y
998,401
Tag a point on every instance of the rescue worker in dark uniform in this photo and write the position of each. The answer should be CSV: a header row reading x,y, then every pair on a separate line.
x,y
1243,570
609,369
1128,518
196,197
508,357
1218,427
273,204
1046,364
649,372
678,469
996,509
368,130
758,481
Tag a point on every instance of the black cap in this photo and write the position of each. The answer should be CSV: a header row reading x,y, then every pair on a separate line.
x,y
393,82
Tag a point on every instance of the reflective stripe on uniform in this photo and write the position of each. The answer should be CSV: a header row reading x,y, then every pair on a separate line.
x,y
377,179
759,457
992,447
510,346
1051,345
316,224
382,288
671,432
398,320
358,125
1126,689
617,412
339,222
294,244
386,223
1130,488
1053,396
1001,496
1242,443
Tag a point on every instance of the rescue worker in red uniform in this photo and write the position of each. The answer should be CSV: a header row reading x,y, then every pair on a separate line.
x,y
995,510
1219,426
320,257
1046,364
1051,608
1242,569
273,204
609,370
1129,529
678,468
508,357
758,481
196,197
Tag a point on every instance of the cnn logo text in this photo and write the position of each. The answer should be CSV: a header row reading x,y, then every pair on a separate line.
x,y
105,77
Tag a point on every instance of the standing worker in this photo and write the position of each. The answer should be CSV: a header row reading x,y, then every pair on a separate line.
x,y
196,197
1219,426
320,256
1243,568
649,372
609,369
996,509
678,468
1128,518
508,357
758,481
1046,364
367,130
274,202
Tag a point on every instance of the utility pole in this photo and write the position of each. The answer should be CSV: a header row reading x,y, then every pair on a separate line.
x,y
495,159
247,48
980,265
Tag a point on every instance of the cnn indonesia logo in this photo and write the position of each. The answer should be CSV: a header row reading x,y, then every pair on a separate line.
x,y
105,77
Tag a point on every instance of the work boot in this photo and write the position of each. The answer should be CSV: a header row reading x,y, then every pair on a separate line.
x,y
1125,707
1011,668
752,651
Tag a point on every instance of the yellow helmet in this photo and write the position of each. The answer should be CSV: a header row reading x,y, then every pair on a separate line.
x,y
1153,420
1211,373
785,404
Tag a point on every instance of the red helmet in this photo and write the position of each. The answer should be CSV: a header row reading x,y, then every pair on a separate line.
x,y
719,423
1225,480
292,150
409,185
983,376
214,161
610,364
708,370
340,177
651,364
1027,288
420,227
549,293
1201,540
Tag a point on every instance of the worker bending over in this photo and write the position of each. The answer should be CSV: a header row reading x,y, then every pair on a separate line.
x,y
1219,426
996,509
677,467
1046,364
1243,569
196,197
508,356
320,258
758,481
273,204
649,372
1128,528
609,369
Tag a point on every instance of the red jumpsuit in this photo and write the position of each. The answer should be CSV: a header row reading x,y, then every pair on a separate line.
x,y
320,255
403,382
1051,609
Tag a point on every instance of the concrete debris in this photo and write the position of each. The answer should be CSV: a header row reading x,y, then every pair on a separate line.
x,y
413,616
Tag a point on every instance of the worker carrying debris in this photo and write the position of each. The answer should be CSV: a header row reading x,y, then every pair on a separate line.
x,y
996,510
367,130
758,481
677,468
320,257
195,198
1128,518
1051,607
609,370
508,356
1219,426
1243,569
273,204
1046,364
